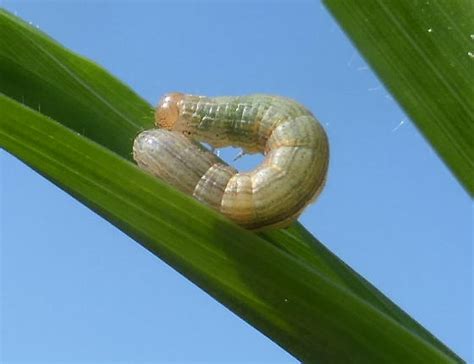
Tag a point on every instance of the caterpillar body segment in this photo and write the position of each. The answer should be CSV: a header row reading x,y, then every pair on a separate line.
x,y
274,194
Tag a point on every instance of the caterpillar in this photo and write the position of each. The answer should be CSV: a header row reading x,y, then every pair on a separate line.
x,y
294,144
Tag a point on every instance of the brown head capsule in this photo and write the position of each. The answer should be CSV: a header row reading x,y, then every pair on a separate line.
x,y
167,111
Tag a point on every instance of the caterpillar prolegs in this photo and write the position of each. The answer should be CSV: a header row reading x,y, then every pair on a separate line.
x,y
274,194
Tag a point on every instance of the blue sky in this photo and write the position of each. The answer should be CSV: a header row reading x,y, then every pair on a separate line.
x,y
74,288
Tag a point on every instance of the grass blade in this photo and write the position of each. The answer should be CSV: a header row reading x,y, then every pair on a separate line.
x,y
299,308
424,53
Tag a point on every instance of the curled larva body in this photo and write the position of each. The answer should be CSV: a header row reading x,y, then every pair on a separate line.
x,y
275,193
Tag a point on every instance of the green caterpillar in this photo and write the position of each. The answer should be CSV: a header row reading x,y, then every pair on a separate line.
x,y
294,143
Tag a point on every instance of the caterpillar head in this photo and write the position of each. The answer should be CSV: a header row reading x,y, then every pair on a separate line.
x,y
167,111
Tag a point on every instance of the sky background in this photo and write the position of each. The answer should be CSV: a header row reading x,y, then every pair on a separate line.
x,y
73,288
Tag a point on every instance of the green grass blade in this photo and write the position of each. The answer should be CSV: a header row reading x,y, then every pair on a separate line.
x,y
38,72
424,53
108,113
299,308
